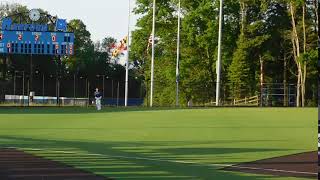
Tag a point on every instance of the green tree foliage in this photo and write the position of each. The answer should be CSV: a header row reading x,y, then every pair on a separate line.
x,y
256,47
267,41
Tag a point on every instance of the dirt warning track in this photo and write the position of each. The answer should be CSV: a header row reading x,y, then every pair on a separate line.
x,y
18,165
297,165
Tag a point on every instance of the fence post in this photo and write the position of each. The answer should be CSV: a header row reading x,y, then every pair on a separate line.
x,y
74,89
245,100
88,90
289,94
118,94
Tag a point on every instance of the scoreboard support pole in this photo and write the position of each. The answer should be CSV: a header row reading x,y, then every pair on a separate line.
x,y
30,89
31,74
58,79
23,79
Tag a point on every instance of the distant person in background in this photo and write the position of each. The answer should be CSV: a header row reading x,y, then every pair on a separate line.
x,y
98,97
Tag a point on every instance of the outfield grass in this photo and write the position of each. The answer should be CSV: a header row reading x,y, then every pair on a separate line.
x,y
160,144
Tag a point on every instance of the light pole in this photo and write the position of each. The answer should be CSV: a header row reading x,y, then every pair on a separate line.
x,y
112,93
103,86
103,77
219,55
38,73
152,58
15,76
87,90
178,56
127,62
118,88
111,86
43,86
23,86
14,85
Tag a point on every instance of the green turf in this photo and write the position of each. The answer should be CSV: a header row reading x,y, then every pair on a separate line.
x,y
160,144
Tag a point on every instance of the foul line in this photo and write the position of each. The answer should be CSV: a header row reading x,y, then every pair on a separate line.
x,y
173,161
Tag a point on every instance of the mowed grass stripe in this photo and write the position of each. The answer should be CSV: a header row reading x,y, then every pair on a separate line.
x,y
203,136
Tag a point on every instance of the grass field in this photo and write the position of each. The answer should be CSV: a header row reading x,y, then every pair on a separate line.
x,y
160,144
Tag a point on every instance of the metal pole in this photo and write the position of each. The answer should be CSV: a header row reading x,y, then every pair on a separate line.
x,y
112,88
178,56
152,58
219,55
103,85
23,86
31,74
57,100
74,89
289,95
261,95
59,91
88,92
127,62
43,88
28,91
118,94
14,84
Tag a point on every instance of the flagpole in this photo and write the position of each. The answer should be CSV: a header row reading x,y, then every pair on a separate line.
x,y
178,56
219,55
152,58
127,61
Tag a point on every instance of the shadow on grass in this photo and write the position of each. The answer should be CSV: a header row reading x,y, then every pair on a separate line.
x,y
121,160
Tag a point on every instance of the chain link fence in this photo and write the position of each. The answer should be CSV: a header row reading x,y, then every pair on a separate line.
x,y
72,90
76,90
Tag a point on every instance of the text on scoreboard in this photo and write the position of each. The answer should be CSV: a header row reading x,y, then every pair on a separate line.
x,y
42,43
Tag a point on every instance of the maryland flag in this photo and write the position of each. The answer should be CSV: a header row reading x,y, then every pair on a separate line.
x,y
156,40
149,42
122,46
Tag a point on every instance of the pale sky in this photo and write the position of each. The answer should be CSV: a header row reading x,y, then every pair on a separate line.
x,y
102,17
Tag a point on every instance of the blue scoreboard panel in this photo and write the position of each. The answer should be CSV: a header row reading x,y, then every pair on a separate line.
x,y
38,43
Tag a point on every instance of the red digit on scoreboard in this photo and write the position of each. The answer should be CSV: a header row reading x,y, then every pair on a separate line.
x,y
20,37
54,38
9,47
36,37
71,50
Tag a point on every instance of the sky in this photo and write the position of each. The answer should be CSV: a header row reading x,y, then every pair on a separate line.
x,y
102,17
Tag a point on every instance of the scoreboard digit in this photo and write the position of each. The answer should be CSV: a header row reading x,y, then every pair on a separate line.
x,y
19,37
42,43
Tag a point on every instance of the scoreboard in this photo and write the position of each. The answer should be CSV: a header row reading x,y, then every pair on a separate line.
x,y
38,43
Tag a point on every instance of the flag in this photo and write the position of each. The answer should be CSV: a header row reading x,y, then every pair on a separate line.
x,y
149,42
122,46
150,39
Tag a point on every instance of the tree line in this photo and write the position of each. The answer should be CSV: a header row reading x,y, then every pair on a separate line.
x,y
264,42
